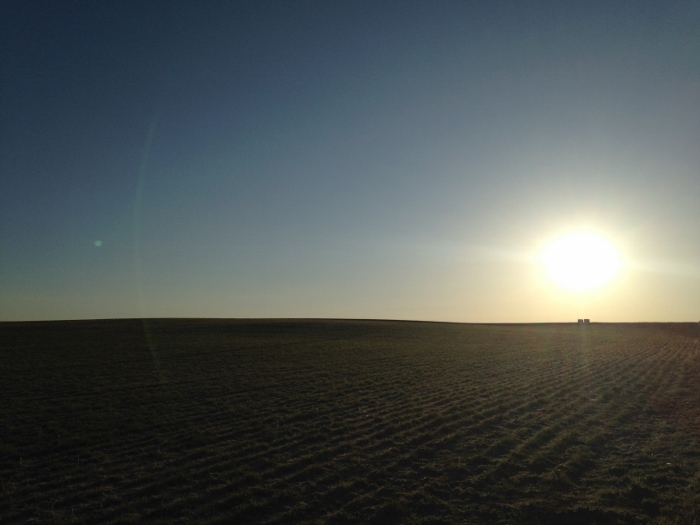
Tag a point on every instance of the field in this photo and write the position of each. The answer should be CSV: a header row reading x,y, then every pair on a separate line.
x,y
313,421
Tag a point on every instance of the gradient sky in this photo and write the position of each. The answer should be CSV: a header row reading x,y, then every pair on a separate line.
x,y
403,160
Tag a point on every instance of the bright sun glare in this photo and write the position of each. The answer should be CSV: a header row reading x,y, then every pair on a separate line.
x,y
581,261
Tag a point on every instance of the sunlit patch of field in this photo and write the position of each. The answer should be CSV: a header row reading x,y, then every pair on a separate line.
x,y
218,421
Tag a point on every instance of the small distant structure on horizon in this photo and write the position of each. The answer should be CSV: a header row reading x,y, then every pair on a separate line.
x,y
584,321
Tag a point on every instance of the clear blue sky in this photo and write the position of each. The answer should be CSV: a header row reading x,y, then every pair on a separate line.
x,y
399,159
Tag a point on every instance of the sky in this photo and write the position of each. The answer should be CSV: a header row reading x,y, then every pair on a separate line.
x,y
350,159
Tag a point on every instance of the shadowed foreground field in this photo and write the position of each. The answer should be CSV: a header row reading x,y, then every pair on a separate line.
x,y
301,421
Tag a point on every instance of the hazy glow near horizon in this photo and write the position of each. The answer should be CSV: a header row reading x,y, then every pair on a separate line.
x,y
581,261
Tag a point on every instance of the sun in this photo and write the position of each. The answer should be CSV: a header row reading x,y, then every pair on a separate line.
x,y
581,261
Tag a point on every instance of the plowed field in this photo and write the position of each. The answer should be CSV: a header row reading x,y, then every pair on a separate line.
x,y
300,421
